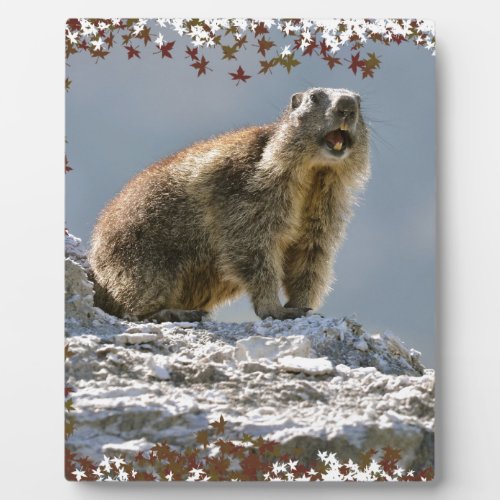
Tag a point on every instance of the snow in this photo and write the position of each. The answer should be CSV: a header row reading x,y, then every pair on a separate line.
x,y
313,382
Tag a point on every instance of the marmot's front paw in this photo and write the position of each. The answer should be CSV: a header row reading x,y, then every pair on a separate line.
x,y
285,313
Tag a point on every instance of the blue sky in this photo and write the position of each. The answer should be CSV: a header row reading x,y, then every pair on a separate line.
x,y
122,115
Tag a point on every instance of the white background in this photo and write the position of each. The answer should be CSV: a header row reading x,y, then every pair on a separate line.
x,y
32,218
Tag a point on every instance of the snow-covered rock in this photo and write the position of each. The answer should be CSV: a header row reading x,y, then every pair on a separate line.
x,y
316,383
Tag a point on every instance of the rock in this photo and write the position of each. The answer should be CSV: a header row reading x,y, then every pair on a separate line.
x,y
310,366
317,383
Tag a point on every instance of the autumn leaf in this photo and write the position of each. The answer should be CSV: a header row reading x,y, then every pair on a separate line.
x,y
126,38
67,352
228,51
132,52
68,405
218,425
69,427
239,76
67,85
145,35
201,66
367,72
324,48
192,53
266,66
366,458
247,438
74,24
264,45
289,62
165,49
398,38
202,438
332,61
372,62
309,50
100,54
356,63
241,41
109,40
390,459
268,446
261,29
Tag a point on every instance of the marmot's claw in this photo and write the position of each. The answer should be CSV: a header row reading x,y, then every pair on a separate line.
x,y
173,315
287,313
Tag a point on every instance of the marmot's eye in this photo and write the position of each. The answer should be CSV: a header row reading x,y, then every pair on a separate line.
x,y
314,98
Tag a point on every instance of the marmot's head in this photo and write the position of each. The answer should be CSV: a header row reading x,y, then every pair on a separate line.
x,y
328,123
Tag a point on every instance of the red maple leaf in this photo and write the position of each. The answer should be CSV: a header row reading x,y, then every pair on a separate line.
x,y
356,63
192,53
109,40
261,29
264,45
166,48
241,41
324,48
132,52
74,24
310,48
398,38
201,66
67,168
332,61
240,75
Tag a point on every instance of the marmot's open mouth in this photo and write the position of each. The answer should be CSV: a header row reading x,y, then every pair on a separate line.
x,y
338,140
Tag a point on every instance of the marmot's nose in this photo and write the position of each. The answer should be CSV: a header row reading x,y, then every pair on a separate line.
x,y
346,106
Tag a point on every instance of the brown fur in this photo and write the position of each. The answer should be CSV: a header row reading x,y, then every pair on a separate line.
x,y
252,211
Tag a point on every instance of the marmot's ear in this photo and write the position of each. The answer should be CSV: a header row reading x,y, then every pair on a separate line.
x,y
296,100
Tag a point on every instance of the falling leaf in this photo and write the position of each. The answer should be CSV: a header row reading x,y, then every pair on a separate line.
x,y
201,66
266,66
202,438
192,53
261,29
132,52
229,51
372,62
309,50
239,76
332,61
165,49
242,41
145,35
100,54
265,45
219,425
356,63
109,40
289,62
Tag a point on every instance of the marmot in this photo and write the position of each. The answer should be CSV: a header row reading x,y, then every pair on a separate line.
x,y
253,210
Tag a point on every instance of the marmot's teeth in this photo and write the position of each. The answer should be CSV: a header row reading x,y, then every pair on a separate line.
x,y
337,146
344,126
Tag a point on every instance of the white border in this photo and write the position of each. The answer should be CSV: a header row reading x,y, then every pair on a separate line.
x,y
31,204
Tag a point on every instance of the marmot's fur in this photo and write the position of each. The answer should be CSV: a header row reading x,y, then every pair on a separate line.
x,y
254,210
